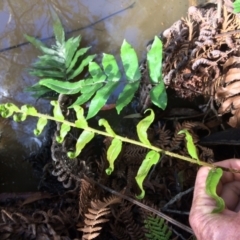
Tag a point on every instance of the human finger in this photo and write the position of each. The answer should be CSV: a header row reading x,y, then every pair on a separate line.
x,y
231,164
230,193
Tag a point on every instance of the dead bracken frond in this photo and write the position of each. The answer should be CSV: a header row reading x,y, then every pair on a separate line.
x,y
195,50
97,214
85,196
227,94
48,218
127,219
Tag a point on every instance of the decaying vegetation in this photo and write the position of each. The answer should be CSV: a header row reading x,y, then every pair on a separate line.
x,y
201,58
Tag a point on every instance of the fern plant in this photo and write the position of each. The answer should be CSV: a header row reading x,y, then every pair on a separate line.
x,y
156,228
60,66
151,158
60,61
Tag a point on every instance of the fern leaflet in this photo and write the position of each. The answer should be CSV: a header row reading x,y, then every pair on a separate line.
x,y
156,228
95,216
61,64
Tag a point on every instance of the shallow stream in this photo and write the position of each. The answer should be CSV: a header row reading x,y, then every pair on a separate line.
x,y
137,25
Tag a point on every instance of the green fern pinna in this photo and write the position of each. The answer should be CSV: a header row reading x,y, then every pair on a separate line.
x,y
62,64
156,228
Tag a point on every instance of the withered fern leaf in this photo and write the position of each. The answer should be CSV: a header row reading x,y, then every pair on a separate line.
x,y
119,232
156,228
132,153
127,224
96,216
85,195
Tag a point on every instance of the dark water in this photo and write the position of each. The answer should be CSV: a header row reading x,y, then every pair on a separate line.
x,y
137,25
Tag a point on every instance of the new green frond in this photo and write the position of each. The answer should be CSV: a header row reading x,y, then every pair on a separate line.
x,y
156,228
112,154
57,28
63,62
192,150
154,60
130,62
151,159
143,126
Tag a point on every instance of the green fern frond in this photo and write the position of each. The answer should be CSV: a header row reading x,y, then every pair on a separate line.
x,y
156,229
60,61
152,157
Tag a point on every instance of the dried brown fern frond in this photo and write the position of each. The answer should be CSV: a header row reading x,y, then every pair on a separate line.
x,y
229,5
97,214
163,137
41,223
227,94
206,154
177,143
119,232
230,20
134,154
128,217
178,139
52,218
130,179
195,50
86,194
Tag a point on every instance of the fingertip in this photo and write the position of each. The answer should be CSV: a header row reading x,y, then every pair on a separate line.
x,y
229,176
233,163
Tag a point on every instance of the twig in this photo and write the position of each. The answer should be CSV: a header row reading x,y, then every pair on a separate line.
x,y
177,197
176,211
178,234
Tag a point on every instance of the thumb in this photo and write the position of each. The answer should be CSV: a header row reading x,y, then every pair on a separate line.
x,y
202,203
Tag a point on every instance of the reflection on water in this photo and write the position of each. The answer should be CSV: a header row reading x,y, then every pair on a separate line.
x,y
138,25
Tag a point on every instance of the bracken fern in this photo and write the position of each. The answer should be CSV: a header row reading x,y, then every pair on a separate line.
x,y
156,228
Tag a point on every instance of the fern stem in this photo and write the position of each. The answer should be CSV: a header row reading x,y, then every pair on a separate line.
x,y
123,139
127,140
